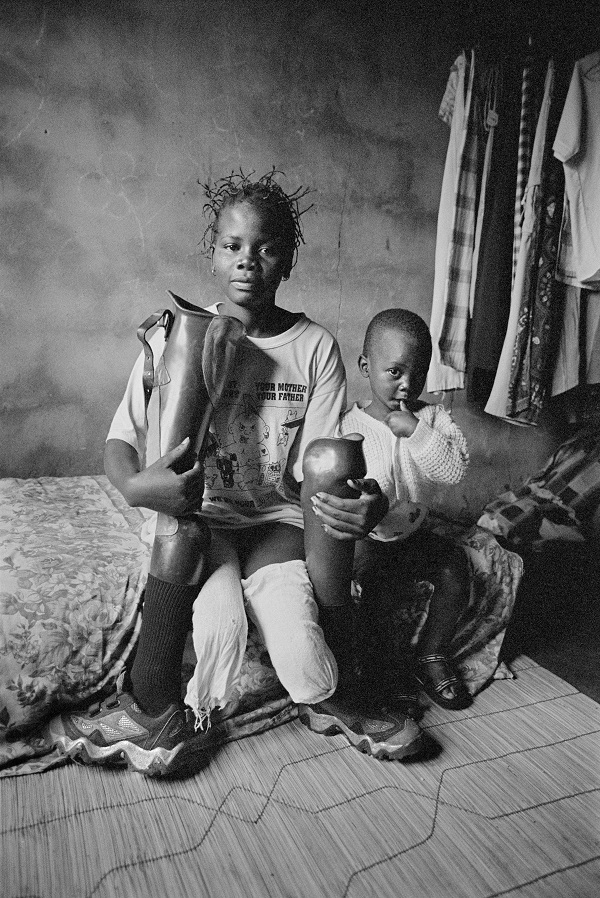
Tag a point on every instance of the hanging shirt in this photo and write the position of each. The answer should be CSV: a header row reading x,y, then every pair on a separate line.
x,y
577,146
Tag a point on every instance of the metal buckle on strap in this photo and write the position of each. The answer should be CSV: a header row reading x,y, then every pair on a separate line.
x,y
164,318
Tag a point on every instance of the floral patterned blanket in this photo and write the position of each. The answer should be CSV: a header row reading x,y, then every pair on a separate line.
x,y
72,573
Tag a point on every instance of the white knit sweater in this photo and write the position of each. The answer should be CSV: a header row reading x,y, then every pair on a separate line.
x,y
408,469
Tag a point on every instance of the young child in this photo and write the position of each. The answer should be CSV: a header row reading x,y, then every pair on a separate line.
x,y
288,389
410,448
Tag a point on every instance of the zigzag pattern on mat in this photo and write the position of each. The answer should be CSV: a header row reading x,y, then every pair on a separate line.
x,y
507,803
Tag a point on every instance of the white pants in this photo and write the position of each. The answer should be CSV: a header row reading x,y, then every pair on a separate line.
x,y
279,600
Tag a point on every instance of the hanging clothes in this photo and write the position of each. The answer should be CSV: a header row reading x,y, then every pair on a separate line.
x,y
453,337
453,109
492,81
577,146
526,131
526,269
541,312
492,276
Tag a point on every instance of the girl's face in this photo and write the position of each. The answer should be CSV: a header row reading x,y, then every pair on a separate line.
x,y
248,258
396,372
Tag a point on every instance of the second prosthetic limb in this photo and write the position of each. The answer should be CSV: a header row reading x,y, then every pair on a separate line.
x,y
328,464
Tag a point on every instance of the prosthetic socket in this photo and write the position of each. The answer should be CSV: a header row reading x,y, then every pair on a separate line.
x,y
328,463
191,377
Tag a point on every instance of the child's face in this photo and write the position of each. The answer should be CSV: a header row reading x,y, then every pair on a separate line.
x,y
396,371
247,258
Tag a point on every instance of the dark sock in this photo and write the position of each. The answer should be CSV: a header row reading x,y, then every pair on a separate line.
x,y
166,619
337,622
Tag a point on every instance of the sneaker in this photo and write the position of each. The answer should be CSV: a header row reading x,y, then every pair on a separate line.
x,y
117,732
385,736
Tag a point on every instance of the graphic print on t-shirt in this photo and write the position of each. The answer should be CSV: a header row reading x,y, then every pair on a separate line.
x,y
252,436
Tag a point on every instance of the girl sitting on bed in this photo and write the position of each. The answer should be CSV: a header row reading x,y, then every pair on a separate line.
x,y
248,493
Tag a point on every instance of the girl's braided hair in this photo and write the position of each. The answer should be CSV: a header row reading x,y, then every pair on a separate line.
x,y
265,195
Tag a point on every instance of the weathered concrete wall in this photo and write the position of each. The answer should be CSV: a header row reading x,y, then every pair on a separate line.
x,y
112,114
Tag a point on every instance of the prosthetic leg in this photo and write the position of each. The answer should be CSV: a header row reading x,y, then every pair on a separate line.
x,y
191,376
328,464
149,729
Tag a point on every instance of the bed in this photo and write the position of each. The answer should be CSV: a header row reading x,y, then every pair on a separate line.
x,y
73,565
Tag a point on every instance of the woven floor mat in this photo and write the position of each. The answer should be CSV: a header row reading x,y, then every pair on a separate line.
x,y
506,802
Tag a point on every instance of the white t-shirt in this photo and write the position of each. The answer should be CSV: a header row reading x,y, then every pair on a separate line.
x,y
253,469
577,146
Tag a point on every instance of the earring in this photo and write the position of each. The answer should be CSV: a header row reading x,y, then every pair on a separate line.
x,y
212,270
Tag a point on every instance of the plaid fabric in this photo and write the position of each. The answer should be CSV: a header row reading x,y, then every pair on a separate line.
x,y
557,502
526,517
572,474
453,337
526,130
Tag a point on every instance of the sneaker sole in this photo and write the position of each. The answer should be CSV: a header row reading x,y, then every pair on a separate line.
x,y
329,725
150,762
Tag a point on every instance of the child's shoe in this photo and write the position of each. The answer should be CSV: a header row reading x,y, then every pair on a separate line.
x,y
117,732
384,735
436,675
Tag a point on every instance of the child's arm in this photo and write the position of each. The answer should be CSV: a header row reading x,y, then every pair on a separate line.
x,y
157,487
436,445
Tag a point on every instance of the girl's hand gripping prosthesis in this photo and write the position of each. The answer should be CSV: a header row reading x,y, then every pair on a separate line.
x,y
327,466
190,379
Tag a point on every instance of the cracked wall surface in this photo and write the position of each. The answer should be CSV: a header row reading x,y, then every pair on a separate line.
x,y
112,115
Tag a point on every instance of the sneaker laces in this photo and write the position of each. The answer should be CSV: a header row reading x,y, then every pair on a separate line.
x,y
111,700
202,720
